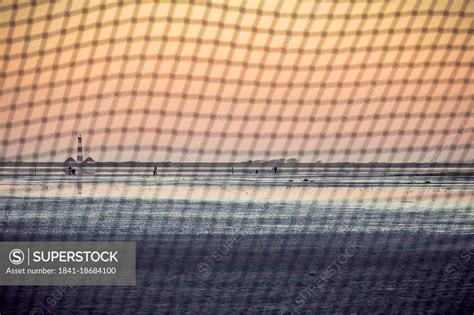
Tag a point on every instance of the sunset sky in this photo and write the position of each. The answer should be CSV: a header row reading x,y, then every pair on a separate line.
x,y
238,80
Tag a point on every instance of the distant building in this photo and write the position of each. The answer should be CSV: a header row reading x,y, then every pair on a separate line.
x,y
89,160
277,161
80,154
70,160
79,149
86,166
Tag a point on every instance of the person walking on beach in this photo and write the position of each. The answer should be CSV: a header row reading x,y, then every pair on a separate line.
x,y
155,171
275,169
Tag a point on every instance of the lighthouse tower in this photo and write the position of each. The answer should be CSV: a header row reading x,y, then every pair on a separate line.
x,y
79,149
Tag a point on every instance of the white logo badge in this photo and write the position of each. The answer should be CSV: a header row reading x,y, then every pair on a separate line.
x,y
16,256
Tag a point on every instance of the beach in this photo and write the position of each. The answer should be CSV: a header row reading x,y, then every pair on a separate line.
x,y
300,243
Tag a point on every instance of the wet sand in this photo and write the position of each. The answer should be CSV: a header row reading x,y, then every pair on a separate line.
x,y
300,250
388,273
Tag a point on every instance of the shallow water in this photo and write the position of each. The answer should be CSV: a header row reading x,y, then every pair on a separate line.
x,y
403,232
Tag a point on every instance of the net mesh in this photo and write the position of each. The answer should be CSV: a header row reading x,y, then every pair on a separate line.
x,y
314,81
209,92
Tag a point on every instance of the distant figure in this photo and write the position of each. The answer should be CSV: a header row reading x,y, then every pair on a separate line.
x,y
71,171
232,170
155,171
275,169
256,171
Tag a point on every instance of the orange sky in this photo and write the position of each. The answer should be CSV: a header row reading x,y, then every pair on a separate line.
x,y
233,81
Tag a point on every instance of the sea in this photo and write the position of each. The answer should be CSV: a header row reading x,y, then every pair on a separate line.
x,y
332,241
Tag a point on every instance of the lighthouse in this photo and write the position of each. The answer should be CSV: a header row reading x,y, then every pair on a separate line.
x,y
79,149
